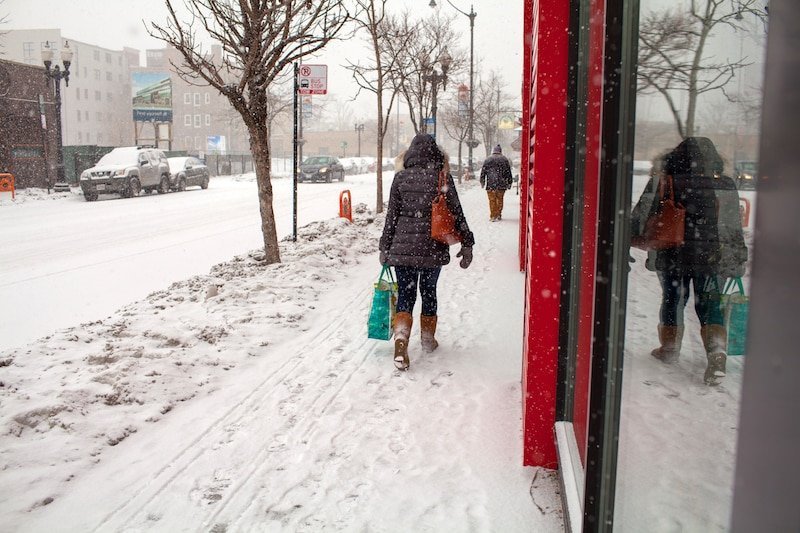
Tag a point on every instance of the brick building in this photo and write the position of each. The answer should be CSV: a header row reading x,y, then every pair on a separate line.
x,y
28,145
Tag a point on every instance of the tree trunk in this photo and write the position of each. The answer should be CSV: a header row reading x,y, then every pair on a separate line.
x,y
259,146
460,170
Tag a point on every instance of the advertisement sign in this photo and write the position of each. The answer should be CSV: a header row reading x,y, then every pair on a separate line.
x,y
312,79
507,122
215,144
152,96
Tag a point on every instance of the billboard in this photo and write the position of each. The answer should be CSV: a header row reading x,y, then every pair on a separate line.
x,y
215,144
152,96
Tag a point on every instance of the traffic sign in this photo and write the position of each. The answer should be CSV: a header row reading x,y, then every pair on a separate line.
x,y
312,79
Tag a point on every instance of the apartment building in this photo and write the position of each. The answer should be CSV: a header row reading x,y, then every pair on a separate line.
x,y
95,107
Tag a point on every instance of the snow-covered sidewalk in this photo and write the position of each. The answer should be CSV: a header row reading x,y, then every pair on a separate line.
x,y
250,399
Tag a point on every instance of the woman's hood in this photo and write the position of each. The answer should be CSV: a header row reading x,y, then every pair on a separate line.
x,y
424,153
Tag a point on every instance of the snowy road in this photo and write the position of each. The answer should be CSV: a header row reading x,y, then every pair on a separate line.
x,y
65,261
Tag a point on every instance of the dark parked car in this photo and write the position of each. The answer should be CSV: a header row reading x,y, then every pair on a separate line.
x,y
187,172
321,168
745,174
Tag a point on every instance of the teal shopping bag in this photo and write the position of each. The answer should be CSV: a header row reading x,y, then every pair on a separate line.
x,y
735,307
384,299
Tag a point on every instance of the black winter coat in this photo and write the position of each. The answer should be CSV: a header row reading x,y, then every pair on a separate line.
x,y
406,235
713,237
496,173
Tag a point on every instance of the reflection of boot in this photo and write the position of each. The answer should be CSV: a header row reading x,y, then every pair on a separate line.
x,y
402,330
670,338
427,326
715,340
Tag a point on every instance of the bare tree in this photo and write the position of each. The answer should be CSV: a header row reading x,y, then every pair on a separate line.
x,y
376,74
456,125
417,59
489,100
260,41
3,21
672,53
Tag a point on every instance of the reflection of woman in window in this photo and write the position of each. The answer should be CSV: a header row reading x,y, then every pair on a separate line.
x,y
713,250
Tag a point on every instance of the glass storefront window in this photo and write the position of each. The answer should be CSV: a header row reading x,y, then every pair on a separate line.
x,y
697,118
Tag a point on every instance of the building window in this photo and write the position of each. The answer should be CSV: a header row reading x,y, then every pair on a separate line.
x,y
86,117
208,120
96,54
109,77
86,94
208,98
28,51
97,96
80,137
99,138
109,97
187,98
79,115
77,93
97,74
99,116
196,98
108,57
187,120
188,142
85,72
198,121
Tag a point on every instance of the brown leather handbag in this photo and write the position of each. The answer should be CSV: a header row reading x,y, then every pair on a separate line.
x,y
443,223
665,227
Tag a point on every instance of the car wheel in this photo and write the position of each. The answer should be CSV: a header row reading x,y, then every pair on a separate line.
x,y
182,184
163,185
204,185
341,176
90,197
134,188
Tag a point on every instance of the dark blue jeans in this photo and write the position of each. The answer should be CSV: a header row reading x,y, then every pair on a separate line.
x,y
408,279
675,296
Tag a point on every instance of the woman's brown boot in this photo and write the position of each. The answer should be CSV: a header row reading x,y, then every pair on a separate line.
x,y
670,338
402,331
715,340
427,326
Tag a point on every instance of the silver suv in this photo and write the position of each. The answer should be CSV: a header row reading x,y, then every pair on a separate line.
x,y
127,171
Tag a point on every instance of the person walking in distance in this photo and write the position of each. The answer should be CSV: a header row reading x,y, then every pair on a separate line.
x,y
406,243
496,178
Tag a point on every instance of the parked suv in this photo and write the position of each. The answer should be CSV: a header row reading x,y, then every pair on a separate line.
x,y
127,171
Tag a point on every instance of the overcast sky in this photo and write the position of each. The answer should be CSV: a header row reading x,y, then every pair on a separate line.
x,y
115,24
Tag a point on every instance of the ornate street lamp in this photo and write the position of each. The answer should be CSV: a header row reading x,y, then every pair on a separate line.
x,y
57,74
359,129
435,78
471,142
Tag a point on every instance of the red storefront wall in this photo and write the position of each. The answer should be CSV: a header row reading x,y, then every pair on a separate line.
x,y
544,133
546,64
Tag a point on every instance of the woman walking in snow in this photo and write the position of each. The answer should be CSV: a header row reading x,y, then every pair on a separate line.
x,y
406,243
713,249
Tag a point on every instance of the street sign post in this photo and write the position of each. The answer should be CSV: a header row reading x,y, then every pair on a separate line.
x,y
312,79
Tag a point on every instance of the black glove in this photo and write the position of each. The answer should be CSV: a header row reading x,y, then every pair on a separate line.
x,y
384,258
466,256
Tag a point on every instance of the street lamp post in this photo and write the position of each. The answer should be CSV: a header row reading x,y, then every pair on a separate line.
x,y
359,129
471,142
57,74
435,78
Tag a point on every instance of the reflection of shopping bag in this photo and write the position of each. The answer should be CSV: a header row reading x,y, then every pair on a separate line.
x,y
384,299
735,308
